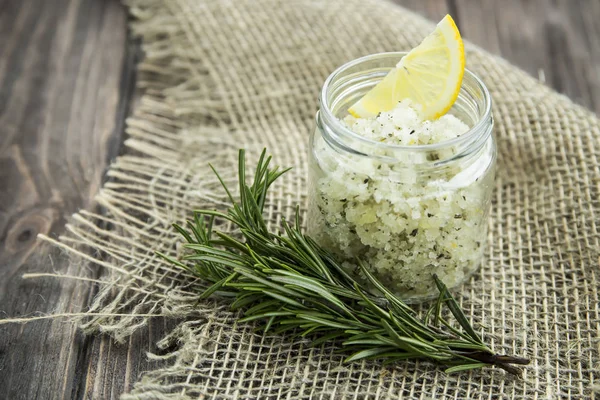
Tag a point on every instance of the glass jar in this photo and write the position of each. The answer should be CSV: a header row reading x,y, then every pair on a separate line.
x,y
407,211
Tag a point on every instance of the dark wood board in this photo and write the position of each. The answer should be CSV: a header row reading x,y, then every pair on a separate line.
x,y
66,77
66,81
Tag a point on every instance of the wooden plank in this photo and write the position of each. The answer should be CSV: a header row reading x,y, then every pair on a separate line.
x,y
558,41
65,82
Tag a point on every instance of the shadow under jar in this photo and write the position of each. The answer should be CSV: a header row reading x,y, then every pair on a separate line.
x,y
407,212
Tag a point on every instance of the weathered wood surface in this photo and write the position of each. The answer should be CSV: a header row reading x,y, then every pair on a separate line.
x,y
65,80
555,40
66,76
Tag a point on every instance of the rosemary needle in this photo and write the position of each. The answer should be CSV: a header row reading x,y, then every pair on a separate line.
x,y
286,282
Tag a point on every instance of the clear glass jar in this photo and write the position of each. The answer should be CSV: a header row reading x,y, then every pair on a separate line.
x,y
407,211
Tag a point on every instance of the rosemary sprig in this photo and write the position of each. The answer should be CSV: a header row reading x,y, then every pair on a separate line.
x,y
287,282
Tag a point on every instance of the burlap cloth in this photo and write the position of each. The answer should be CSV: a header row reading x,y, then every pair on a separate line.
x,y
223,74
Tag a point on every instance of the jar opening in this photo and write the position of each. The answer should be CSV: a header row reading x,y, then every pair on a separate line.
x,y
351,81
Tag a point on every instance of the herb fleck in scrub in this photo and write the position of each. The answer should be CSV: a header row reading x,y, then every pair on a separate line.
x,y
402,167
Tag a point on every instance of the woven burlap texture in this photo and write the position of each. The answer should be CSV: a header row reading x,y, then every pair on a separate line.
x,y
223,74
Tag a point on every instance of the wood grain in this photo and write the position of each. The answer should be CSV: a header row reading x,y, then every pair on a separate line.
x,y
66,78
555,40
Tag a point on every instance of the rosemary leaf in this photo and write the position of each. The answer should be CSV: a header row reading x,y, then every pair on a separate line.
x,y
464,367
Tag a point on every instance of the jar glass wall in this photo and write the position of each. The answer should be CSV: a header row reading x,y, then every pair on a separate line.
x,y
407,212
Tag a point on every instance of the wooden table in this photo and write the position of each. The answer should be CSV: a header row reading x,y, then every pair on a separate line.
x,y
66,80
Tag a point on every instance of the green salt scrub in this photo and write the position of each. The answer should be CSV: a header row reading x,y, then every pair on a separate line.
x,y
404,225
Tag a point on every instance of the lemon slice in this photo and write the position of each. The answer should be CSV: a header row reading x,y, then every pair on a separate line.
x,y
430,75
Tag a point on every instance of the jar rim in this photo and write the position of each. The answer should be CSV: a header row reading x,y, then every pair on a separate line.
x,y
342,130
